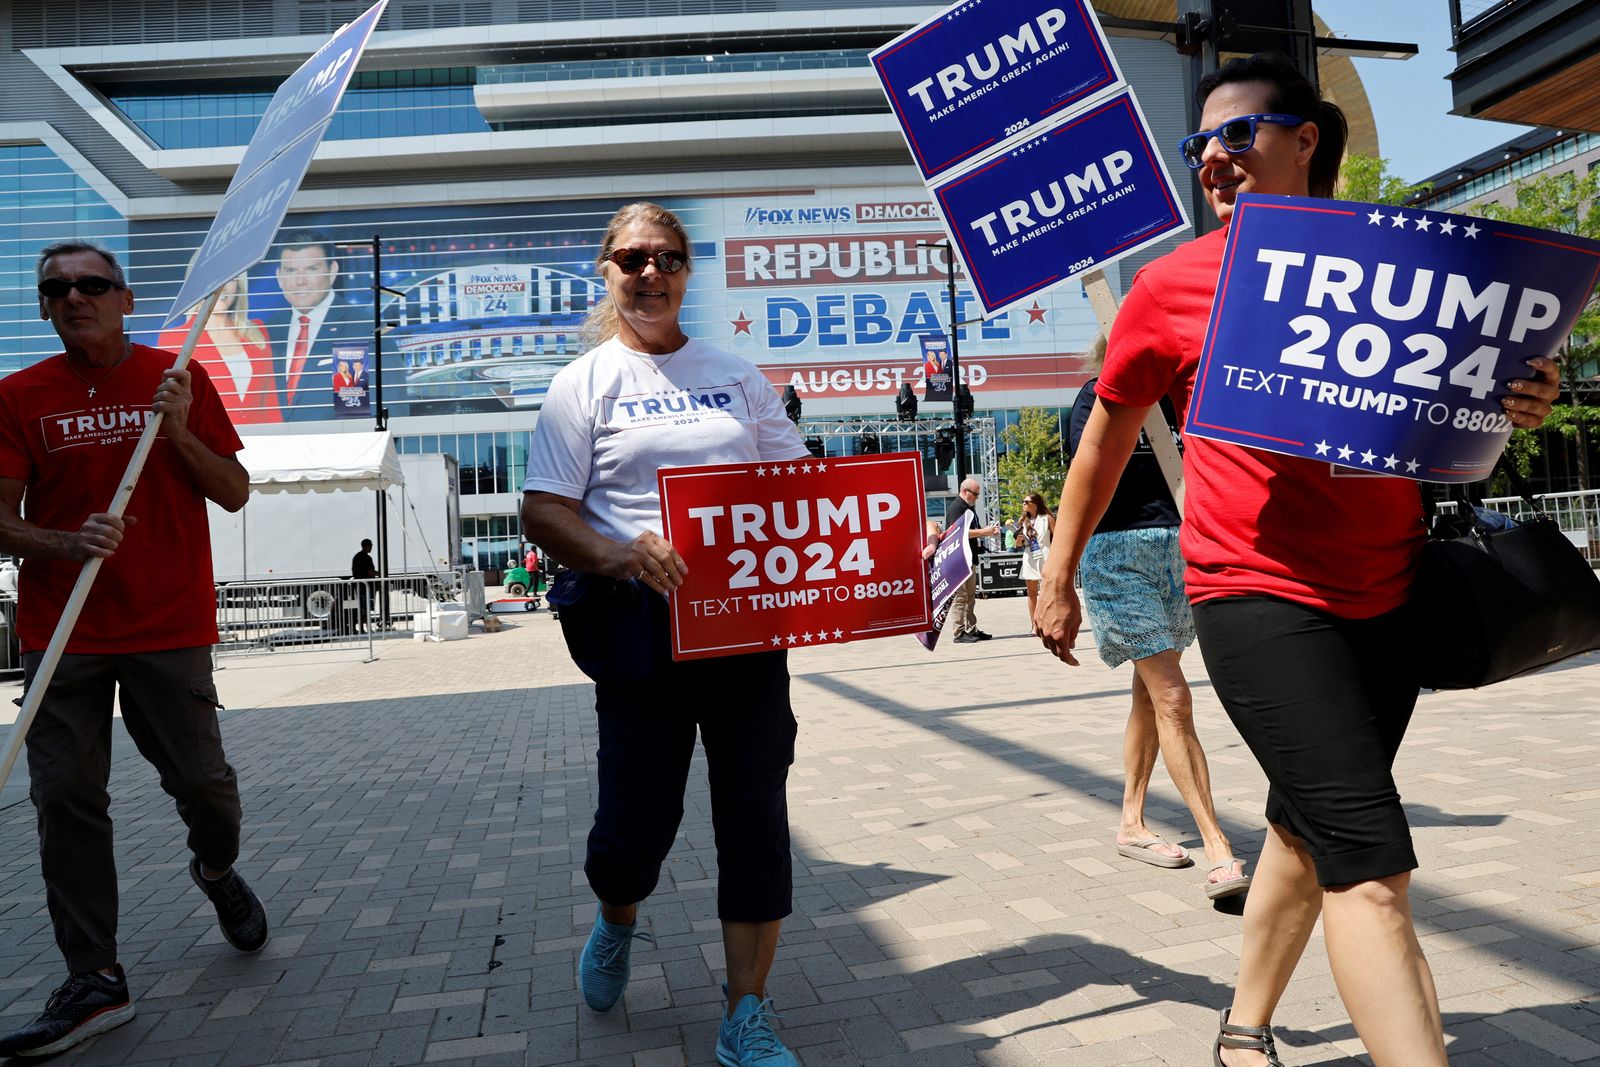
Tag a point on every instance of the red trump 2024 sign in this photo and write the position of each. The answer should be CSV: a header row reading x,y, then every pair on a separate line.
x,y
795,553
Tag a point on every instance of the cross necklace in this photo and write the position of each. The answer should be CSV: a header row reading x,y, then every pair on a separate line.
x,y
127,350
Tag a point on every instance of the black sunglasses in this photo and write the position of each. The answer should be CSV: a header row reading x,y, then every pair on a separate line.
x,y
632,260
88,285
1235,135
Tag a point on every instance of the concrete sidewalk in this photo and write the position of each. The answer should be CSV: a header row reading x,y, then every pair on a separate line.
x,y
416,828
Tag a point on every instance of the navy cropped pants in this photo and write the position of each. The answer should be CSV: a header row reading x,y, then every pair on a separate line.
x,y
740,707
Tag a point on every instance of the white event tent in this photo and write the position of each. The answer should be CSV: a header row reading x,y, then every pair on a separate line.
x,y
310,508
321,463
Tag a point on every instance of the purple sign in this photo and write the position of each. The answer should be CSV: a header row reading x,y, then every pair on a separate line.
x,y
948,568
1380,338
1084,192
982,71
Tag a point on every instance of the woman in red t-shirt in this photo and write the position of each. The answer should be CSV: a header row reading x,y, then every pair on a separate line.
x,y
1298,581
234,351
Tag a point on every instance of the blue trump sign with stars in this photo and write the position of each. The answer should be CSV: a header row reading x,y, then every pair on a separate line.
x,y
1085,191
982,72
1380,338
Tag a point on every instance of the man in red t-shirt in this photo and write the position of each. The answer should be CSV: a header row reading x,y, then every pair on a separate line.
x,y
68,426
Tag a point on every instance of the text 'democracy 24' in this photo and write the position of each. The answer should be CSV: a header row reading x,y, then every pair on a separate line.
x,y
1085,191
1381,338
795,553
982,71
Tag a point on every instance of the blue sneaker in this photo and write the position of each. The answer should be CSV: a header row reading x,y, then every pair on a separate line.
x,y
603,966
747,1040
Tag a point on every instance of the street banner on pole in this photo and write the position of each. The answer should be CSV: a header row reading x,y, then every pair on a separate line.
x,y
274,164
1081,193
936,368
948,568
982,71
1380,338
351,397
795,553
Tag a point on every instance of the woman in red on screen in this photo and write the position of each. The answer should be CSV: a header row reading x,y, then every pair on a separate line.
x,y
234,350
1298,582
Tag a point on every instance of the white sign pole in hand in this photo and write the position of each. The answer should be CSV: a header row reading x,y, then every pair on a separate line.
x,y
1156,430
40,684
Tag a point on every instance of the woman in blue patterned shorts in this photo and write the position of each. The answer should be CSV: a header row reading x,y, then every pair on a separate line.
x,y
1132,575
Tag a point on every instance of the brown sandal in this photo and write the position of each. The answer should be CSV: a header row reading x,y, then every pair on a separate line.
x,y
1245,1039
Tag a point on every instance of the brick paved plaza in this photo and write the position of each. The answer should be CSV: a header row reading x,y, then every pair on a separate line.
x,y
416,829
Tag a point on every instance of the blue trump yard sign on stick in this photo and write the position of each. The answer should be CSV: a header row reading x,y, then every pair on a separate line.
x,y
274,164
310,95
242,231
1380,338
1084,191
983,71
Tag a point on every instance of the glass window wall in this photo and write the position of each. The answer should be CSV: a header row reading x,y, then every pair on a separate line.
x,y
42,200
383,103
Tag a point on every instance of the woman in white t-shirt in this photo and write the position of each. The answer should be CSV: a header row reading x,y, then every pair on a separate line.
x,y
646,397
1034,528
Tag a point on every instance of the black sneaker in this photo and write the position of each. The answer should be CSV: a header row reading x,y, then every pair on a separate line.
x,y
966,639
981,636
87,1005
239,913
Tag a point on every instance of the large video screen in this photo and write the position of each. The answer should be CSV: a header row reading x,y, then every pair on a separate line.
x,y
482,304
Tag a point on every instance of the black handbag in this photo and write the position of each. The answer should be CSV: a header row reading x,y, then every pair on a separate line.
x,y
1492,604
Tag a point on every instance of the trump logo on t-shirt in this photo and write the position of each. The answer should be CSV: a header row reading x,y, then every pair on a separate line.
x,y
674,407
108,425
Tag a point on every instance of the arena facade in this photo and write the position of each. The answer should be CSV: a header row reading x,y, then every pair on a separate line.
x,y
479,151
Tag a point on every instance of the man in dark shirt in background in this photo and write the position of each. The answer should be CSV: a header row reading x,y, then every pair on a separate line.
x,y
362,567
963,619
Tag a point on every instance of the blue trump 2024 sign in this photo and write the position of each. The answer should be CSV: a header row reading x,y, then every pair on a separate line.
x,y
982,71
309,96
1380,338
1087,190
274,164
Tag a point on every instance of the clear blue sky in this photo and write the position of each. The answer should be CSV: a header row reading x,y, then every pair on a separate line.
x,y
1411,98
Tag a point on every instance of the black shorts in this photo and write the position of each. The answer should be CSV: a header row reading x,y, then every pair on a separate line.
x,y
1323,702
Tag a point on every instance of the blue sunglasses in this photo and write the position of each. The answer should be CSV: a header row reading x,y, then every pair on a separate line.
x,y
1235,136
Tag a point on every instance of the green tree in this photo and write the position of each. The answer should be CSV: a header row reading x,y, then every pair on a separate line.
x,y
1564,203
1367,178
1033,461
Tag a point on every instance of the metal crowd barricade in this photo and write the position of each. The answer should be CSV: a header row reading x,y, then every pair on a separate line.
x,y
1578,515
10,656
328,613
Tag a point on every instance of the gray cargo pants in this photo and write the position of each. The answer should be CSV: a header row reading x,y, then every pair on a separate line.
x,y
169,707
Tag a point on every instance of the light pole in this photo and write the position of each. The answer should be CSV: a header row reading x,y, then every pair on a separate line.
x,y
380,414
958,392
